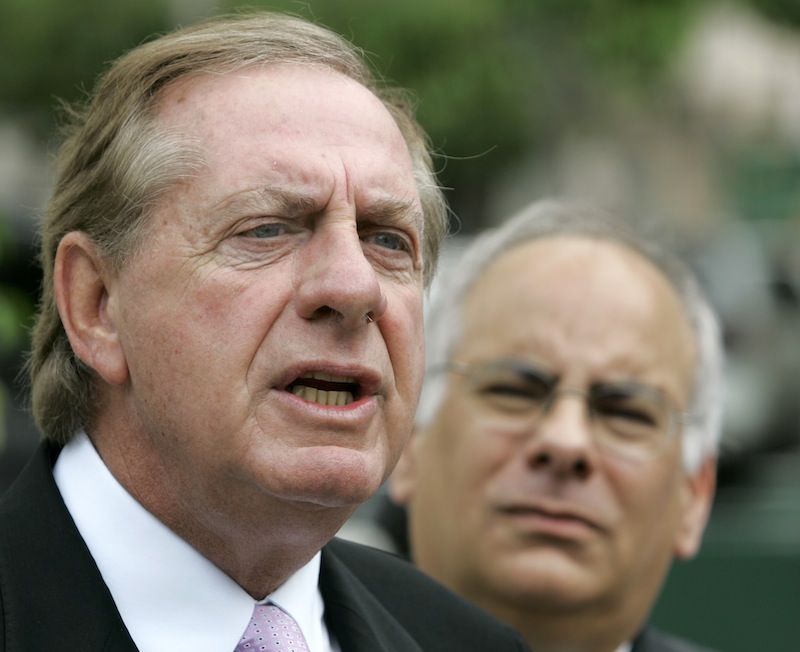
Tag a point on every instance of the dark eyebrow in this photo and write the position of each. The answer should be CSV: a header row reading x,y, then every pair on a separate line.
x,y
523,367
629,387
534,373
622,386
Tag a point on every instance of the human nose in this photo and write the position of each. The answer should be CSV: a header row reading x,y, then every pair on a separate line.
x,y
334,278
562,441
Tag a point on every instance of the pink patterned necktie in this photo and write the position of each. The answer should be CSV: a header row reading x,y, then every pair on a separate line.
x,y
271,630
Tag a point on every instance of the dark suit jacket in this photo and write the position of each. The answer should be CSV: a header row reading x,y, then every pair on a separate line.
x,y
52,596
651,640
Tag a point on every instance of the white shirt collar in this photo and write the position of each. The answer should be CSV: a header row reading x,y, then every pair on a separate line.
x,y
169,595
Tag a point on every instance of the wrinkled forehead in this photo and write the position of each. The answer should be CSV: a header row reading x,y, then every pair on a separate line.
x,y
292,116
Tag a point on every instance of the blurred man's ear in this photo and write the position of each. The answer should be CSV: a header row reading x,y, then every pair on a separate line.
x,y
86,303
403,478
698,498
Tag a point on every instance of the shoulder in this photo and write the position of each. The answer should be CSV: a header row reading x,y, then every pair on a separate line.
x,y
436,618
373,566
47,574
653,640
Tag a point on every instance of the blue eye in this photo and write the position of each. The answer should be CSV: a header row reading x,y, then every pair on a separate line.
x,y
388,240
270,230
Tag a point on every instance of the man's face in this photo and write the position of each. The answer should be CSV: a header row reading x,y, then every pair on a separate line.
x,y
547,519
255,275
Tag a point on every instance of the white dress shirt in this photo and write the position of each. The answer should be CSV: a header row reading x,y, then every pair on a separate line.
x,y
169,595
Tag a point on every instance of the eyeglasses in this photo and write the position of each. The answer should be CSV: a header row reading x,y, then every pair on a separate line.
x,y
628,417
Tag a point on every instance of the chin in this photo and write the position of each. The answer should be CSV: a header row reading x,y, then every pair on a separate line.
x,y
549,582
338,477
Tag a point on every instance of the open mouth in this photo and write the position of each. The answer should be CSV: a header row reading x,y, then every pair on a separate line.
x,y
324,389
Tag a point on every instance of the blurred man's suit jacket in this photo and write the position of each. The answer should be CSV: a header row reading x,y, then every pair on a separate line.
x,y
651,640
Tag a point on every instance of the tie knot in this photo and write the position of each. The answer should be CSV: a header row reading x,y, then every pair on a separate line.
x,y
271,630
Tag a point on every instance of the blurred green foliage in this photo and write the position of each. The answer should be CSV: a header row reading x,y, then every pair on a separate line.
x,y
494,78
54,49
786,12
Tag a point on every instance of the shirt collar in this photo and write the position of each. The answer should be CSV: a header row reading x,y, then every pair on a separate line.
x,y
170,596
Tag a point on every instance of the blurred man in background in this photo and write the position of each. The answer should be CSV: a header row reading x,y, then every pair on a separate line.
x,y
567,434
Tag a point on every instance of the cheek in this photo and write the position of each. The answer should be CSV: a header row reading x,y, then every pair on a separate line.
x,y
227,313
462,461
184,329
250,301
649,497
403,333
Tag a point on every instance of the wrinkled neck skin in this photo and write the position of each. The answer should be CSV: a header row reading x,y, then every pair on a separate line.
x,y
259,553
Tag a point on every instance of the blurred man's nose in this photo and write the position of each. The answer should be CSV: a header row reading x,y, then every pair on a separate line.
x,y
561,440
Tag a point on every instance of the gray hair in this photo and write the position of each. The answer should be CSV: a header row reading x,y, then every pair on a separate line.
x,y
117,162
553,218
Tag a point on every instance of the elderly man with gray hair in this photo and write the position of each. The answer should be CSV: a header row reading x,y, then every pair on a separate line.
x,y
565,450
227,358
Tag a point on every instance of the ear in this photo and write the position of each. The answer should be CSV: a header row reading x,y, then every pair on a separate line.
x,y
698,495
85,299
402,481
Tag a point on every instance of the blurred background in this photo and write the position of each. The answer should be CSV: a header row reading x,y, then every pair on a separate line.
x,y
683,113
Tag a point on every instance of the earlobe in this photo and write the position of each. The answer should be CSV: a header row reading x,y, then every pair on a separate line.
x,y
401,482
85,303
698,498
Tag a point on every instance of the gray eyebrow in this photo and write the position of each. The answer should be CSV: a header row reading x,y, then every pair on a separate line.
x,y
394,209
271,200
293,204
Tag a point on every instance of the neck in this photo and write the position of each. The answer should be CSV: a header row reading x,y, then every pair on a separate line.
x,y
258,562
263,551
257,540
570,631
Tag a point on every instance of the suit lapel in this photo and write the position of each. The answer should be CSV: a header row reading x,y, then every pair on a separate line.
x,y
53,596
358,621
